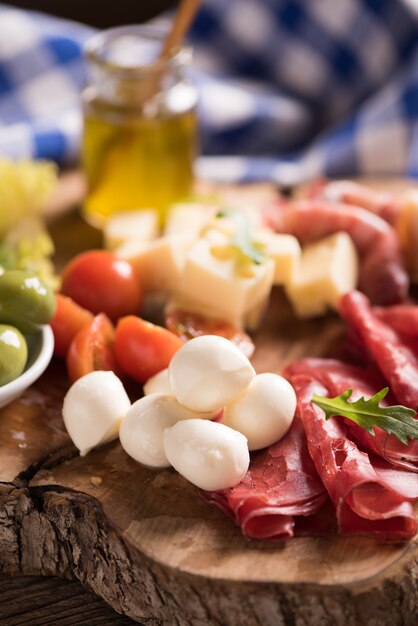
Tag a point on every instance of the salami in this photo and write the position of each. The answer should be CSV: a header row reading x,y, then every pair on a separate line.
x,y
395,360
403,319
280,486
366,502
349,192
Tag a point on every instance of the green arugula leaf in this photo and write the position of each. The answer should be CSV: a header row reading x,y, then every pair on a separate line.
x,y
395,420
241,240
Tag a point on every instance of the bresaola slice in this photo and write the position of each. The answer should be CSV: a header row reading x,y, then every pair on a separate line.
x,y
364,500
281,485
337,376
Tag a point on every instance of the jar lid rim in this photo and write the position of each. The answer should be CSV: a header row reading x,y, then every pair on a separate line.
x,y
95,48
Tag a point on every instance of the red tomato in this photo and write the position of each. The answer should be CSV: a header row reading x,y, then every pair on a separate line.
x,y
69,318
188,325
143,349
100,282
92,349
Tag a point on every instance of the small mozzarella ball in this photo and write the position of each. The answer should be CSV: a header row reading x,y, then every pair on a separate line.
x,y
159,383
208,454
264,412
208,372
142,429
93,409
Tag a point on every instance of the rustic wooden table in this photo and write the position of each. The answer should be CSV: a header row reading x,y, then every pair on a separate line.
x,y
38,601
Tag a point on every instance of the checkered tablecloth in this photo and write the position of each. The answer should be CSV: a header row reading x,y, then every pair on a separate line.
x,y
289,89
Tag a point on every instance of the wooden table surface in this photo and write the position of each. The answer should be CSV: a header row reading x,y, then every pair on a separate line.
x,y
38,601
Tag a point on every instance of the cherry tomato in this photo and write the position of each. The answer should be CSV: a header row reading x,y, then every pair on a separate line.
x,y
188,325
143,349
100,282
69,318
92,348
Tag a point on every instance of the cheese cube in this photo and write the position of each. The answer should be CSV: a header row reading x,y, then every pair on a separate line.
x,y
227,225
285,252
253,316
130,225
328,269
159,263
188,218
407,227
215,285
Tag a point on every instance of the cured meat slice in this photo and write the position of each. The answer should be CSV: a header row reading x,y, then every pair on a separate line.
x,y
337,376
401,318
395,360
365,501
382,273
281,485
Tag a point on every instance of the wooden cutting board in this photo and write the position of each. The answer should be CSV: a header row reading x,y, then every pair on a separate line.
x,y
145,542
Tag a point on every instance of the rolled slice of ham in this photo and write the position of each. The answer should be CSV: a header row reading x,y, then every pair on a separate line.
x,y
337,376
280,486
396,361
382,272
365,501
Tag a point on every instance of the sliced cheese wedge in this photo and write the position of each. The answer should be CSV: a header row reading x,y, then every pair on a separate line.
x,y
216,288
285,252
328,269
188,218
159,263
130,226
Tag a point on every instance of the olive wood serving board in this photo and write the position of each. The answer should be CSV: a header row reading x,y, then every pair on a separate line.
x,y
146,543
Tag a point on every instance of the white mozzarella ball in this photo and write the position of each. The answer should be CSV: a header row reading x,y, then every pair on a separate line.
x,y
93,409
208,454
142,429
159,383
264,412
208,372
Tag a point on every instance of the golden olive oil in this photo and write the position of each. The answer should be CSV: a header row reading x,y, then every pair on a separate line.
x,y
140,163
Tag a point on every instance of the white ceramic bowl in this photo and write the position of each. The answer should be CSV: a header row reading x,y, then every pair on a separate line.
x,y
41,347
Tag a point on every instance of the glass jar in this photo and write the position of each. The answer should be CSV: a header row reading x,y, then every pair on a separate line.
x,y
140,125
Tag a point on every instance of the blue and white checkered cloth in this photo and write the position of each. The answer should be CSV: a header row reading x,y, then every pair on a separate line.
x,y
289,89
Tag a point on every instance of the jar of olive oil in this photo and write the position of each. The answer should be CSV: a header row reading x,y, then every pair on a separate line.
x,y
140,125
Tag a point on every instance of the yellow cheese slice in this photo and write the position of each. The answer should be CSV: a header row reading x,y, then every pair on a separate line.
x,y
159,263
188,218
285,252
214,284
328,269
130,225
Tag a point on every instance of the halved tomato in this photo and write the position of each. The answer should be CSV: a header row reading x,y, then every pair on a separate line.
x,y
143,349
69,318
92,348
189,325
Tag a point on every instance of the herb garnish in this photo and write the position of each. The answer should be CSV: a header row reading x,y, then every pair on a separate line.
x,y
241,240
396,420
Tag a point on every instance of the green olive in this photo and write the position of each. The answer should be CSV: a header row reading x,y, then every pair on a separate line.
x,y
13,353
25,301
